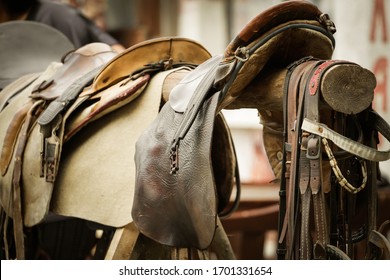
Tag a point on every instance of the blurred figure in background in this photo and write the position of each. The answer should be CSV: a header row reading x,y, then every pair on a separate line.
x,y
67,19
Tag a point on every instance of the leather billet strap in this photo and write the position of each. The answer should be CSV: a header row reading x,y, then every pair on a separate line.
x,y
16,182
295,87
313,156
308,156
50,121
350,145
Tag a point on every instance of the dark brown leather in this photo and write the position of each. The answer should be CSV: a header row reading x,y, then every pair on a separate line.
x,y
270,18
175,199
313,213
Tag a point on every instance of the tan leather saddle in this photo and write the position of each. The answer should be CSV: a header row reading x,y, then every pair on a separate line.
x,y
29,47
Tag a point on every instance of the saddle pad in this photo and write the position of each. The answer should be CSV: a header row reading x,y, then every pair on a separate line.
x,y
29,47
96,179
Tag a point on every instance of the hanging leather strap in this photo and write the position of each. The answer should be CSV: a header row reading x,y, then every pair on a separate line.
x,y
294,118
350,145
309,172
313,155
16,182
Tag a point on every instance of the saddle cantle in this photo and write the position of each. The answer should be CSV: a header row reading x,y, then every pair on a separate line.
x,y
29,47
275,38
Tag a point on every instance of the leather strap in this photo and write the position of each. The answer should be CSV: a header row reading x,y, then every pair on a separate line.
x,y
67,97
294,119
348,144
192,110
292,79
292,85
16,178
314,156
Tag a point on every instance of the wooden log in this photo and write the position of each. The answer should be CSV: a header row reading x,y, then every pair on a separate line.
x,y
346,88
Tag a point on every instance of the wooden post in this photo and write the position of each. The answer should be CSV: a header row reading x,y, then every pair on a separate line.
x,y
346,88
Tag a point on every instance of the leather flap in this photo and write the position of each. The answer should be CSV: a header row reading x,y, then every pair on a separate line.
x,y
182,93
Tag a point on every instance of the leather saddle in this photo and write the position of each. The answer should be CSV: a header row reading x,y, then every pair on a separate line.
x,y
176,146
37,46
68,139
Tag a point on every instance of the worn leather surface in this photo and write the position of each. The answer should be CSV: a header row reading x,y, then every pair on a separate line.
x,y
29,47
7,145
176,209
182,93
160,195
76,64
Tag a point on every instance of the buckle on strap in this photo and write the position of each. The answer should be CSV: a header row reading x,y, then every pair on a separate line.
x,y
345,143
